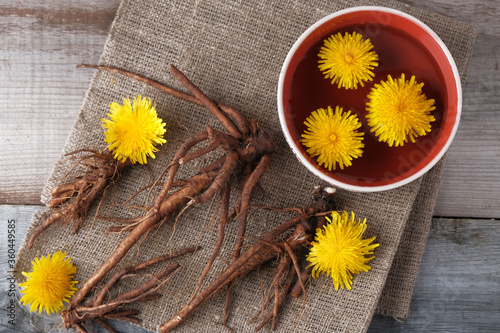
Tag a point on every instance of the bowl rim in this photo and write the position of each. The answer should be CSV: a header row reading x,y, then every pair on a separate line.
x,y
294,147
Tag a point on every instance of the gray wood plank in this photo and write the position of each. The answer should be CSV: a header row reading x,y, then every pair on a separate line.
x,y
16,218
42,92
458,286
40,88
457,290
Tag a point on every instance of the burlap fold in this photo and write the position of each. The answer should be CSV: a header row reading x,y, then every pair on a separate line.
x,y
234,51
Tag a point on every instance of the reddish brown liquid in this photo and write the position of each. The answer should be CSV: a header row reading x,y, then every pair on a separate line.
x,y
398,53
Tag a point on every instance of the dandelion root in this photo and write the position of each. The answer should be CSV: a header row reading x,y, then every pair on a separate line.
x,y
99,309
72,200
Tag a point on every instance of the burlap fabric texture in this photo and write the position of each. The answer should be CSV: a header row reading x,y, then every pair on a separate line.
x,y
234,51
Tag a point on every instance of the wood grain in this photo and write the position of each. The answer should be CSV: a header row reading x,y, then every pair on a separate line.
x,y
458,286
42,91
40,88
457,290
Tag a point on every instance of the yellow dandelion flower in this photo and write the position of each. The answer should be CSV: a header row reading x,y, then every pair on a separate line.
x,y
334,138
398,110
347,60
49,283
339,250
133,130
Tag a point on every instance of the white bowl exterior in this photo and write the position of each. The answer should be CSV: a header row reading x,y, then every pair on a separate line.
x,y
281,111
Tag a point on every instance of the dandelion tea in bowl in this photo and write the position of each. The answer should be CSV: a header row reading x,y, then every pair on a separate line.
x,y
394,78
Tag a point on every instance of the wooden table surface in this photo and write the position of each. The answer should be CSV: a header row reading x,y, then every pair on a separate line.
x,y
41,92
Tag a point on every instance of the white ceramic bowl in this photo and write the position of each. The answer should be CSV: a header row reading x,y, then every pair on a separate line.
x,y
394,29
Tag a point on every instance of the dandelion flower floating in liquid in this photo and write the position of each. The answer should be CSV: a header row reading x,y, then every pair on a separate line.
x,y
134,130
348,60
340,251
333,137
398,110
49,283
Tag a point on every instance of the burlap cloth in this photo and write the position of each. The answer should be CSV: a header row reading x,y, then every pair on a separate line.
x,y
234,51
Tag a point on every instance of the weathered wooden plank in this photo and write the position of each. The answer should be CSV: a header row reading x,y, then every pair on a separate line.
x,y
471,177
42,92
15,220
458,286
40,89
457,290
